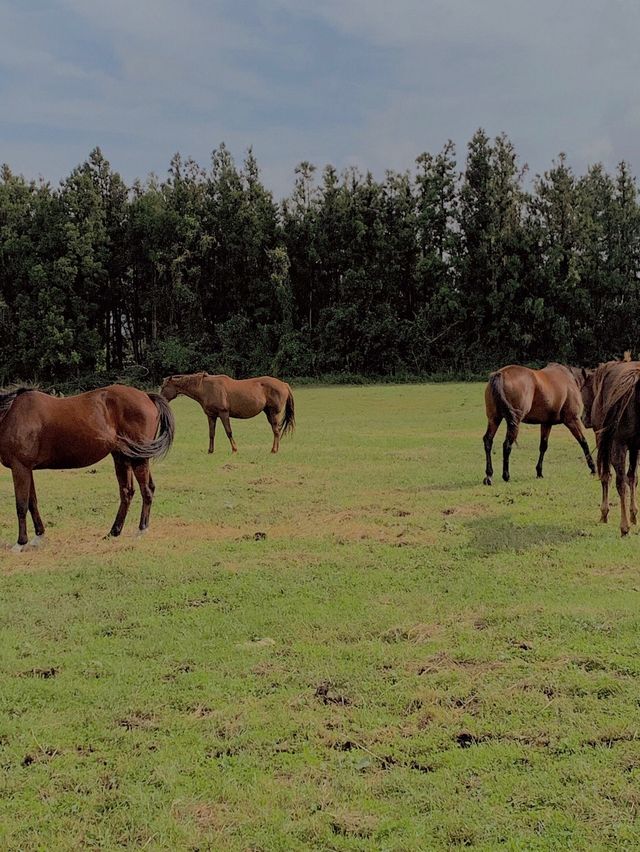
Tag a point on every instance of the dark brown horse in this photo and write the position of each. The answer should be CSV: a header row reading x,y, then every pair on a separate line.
x,y
611,396
519,395
223,397
40,431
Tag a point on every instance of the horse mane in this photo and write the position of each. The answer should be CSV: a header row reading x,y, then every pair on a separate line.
x,y
614,396
7,399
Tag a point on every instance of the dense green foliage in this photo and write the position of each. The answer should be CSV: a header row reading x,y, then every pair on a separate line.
x,y
438,271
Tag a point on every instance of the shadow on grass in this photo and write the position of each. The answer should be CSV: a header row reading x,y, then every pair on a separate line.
x,y
500,535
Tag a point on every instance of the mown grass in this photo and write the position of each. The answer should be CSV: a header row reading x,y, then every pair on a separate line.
x,y
404,659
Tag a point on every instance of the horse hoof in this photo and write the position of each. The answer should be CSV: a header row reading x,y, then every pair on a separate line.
x,y
37,541
486,480
18,548
505,476
142,532
624,532
540,476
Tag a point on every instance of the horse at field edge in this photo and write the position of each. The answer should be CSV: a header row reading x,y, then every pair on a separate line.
x,y
39,431
547,397
611,396
224,397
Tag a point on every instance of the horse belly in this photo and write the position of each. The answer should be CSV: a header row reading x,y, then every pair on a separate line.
x,y
65,450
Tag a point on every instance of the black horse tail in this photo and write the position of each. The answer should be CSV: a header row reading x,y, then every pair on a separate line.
x,y
504,407
160,446
288,422
627,391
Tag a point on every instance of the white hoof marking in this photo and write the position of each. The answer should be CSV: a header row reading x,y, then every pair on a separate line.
x,y
142,532
18,548
37,541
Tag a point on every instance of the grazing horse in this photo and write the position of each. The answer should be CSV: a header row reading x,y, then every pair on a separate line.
x,y
40,431
612,408
223,397
519,395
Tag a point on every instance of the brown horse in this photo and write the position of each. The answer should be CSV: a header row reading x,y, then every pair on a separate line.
x,y
519,395
223,397
612,407
40,431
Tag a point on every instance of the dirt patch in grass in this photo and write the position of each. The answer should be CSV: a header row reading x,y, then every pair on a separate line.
x,y
327,694
45,673
350,824
139,720
416,634
207,816
442,661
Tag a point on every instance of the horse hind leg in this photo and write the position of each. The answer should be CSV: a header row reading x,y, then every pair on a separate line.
x,y
618,461
509,441
272,417
632,479
545,430
125,482
604,505
492,428
147,487
576,430
227,428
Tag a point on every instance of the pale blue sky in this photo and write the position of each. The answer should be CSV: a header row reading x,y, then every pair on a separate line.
x,y
365,82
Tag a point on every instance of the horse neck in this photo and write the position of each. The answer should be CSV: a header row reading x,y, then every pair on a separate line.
x,y
192,389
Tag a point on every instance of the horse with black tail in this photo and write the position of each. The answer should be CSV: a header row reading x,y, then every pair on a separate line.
x,y
612,406
39,431
547,397
223,397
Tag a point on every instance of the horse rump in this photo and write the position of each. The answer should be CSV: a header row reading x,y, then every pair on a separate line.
x,y
160,446
503,406
622,402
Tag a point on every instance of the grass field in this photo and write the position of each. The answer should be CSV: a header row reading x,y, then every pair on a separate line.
x,y
352,645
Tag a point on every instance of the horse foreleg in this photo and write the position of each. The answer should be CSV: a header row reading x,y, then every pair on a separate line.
x,y
224,416
147,487
22,489
545,431
35,514
632,479
125,481
272,417
576,430
492,428
212,430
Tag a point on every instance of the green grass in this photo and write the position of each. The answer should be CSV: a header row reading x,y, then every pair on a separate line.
x,y
408,660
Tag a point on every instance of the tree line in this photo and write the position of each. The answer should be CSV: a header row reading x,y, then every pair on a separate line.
x,y
447,269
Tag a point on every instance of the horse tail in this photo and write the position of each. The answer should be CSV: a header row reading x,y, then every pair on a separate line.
x,y
288,422
503,406
626,390
160,446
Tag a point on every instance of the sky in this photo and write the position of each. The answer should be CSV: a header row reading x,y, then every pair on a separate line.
x,y
371,83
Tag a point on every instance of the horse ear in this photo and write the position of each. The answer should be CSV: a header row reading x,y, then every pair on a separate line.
x,y
627,355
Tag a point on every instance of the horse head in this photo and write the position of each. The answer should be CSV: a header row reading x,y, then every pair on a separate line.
x,y
169,389
587,390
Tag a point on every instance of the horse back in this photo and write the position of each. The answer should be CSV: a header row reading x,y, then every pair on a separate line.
x,y
41,430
